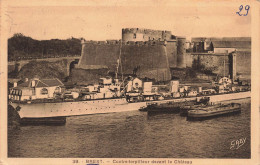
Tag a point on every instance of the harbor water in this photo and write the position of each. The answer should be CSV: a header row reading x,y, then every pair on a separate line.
x,y
136,134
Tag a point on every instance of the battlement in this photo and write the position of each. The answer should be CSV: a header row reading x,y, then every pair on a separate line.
x,y
118,42
144,31
137,34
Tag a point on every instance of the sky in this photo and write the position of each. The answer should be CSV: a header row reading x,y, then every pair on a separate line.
x,y
102,22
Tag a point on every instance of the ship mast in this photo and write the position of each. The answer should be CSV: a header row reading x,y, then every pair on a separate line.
x,y
224,66
117,67
120,60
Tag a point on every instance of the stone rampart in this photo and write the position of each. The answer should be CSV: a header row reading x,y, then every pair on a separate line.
x,y
221,64
150,58
217,64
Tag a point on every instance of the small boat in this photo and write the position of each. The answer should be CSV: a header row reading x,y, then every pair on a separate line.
x,y
169,106
213,110
202,102
185,109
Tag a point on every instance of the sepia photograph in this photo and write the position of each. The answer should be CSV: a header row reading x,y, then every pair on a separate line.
x,y
138,82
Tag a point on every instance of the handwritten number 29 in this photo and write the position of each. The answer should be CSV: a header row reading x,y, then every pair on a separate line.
x,y
247,7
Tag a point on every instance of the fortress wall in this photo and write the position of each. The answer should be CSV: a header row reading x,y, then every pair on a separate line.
x,y
152,60
243,52
87,76
99,54
189,60
151,57
209,62
216,63
155,59
181,51
172,53
243,60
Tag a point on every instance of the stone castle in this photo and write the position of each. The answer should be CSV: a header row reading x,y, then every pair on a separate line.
x,y
146,53
151,52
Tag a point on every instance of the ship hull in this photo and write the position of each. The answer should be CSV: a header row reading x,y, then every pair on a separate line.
x,y
207,115
183,105
77,108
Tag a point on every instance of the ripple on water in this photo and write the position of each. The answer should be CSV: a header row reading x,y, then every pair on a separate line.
x,y
135,134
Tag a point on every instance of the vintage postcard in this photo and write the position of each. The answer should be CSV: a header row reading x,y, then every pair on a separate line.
x,y
129,82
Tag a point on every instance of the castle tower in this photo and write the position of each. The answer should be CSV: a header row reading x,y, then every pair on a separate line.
x,y
133,34
167,35
232,66
136,34
181,52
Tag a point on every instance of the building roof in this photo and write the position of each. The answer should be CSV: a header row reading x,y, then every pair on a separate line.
x,y
226,42
52,82
231,44
198,39
42,83
13,80
24,84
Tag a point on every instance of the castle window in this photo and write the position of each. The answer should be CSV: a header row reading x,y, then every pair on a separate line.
x,y
44,91
134,36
